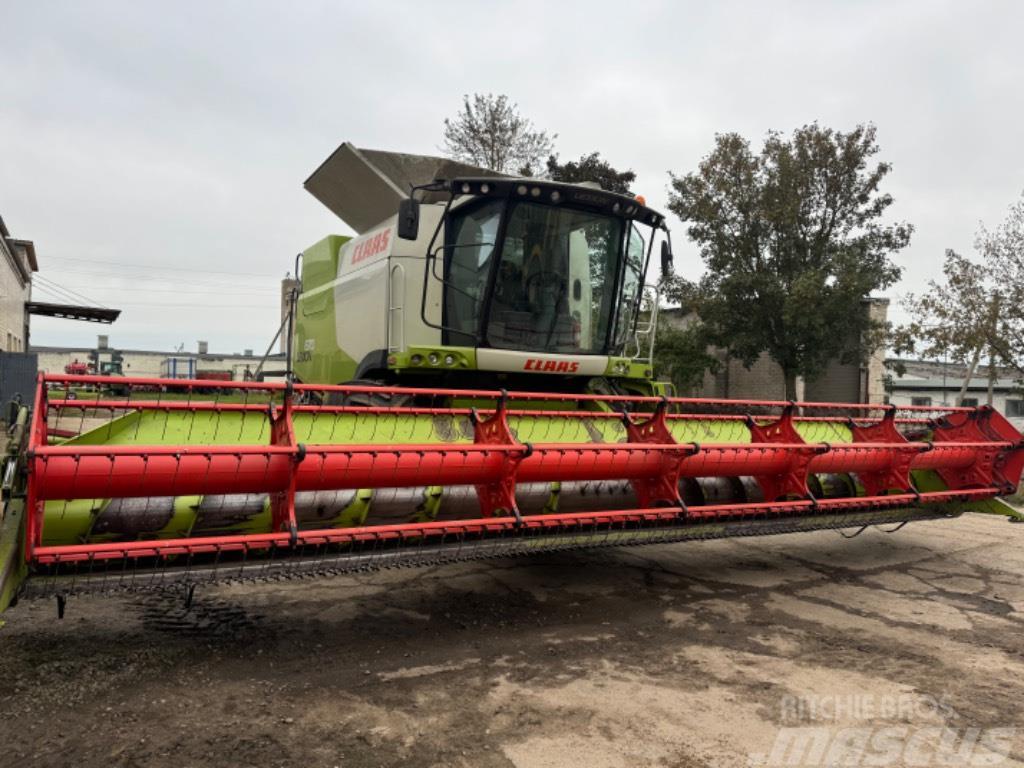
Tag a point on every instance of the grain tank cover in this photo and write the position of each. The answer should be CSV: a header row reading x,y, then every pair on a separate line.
x,y
364,186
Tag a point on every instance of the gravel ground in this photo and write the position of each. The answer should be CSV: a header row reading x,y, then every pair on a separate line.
x,y
675,655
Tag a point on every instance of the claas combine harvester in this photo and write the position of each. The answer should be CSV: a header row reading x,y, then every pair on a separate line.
x,y
471,376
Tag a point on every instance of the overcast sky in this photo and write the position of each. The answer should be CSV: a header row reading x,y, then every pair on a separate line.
x,y
155,152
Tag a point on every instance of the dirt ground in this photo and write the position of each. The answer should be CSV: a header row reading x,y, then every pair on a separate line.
x,y
673,655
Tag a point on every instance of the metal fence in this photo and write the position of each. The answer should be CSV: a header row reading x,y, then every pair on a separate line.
x,y
18,371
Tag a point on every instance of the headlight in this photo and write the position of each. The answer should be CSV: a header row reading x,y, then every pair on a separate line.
x,y
416,359
434,358
449,359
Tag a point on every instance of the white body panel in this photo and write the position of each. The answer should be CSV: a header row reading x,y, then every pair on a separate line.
x,y
361,291
509,361
408,260
581,292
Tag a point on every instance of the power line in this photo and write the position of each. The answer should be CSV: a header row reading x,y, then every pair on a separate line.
x,y
74,295
162,269
187,291
50,292
264,307
137,276
261,307
52,288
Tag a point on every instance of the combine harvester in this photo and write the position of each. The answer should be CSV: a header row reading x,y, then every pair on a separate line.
x,y
472,378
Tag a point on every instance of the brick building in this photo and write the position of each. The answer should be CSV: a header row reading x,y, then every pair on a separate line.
x,y
17,263
928,382
842,382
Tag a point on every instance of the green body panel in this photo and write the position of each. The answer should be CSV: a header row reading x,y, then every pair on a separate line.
x,y
929,480
13,569
636,377
417,359
317,356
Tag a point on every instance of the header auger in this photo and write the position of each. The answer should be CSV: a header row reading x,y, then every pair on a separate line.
x,y
263,479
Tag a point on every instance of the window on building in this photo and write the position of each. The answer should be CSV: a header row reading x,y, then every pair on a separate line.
x,y
969,402
920,401
1015,408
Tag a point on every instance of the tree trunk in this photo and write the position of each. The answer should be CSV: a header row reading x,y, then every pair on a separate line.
x,y
967,379
790,378
991,377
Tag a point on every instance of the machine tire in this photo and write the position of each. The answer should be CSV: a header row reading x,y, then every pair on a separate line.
x,y
368,399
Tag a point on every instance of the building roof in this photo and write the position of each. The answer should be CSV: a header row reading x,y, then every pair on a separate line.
x,y
17,248
72,311
30,251
952,383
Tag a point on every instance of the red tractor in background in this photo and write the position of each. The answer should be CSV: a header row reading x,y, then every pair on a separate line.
x,y
76,368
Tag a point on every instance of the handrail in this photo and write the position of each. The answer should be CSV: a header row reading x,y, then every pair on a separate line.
x,y
396,308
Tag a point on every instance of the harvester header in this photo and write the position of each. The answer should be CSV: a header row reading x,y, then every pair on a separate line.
x,y
264,479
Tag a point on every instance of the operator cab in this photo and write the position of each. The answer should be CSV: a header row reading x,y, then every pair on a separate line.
x,y
538,266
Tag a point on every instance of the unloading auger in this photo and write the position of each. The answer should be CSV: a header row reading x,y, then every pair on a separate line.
x,y
176,484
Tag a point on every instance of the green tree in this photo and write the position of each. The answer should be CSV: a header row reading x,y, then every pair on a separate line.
x,y
682,349
954,319
977,310
591,168
793,242
1002,250
682,354
489,132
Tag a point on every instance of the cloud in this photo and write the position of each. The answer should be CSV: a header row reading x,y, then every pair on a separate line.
x,y
179,136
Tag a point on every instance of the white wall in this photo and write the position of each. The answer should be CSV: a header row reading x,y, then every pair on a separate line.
x,y
147,363
999,398
13,294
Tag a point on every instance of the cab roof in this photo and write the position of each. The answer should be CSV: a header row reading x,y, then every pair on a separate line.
x,y
556,193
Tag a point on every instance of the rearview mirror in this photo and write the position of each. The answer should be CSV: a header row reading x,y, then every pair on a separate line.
x,y
409,219
666,259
